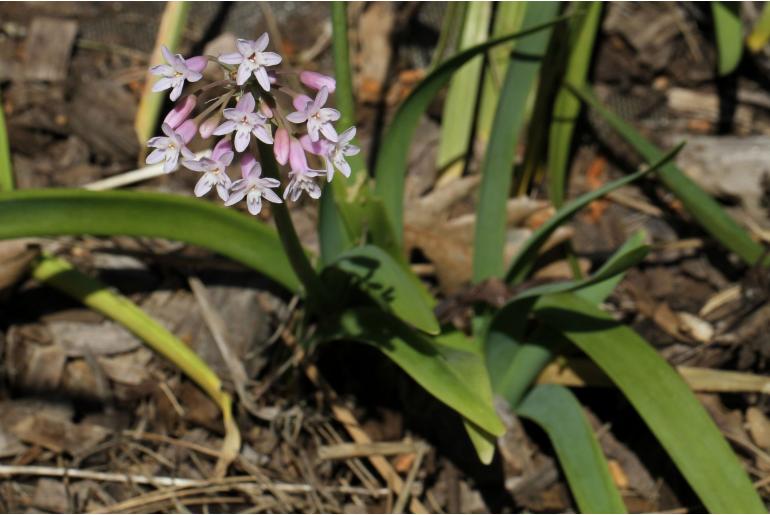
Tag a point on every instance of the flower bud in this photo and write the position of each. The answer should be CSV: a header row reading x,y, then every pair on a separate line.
x,y
208,126
316,81
297,158
281,146
181,111
247,165
265,110
187,130
197,63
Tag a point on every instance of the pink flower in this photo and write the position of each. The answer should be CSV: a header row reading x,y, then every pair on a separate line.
x,y
253,186
252,59
281,147
168,148
176,72
318,118
302,177
245,122
213,170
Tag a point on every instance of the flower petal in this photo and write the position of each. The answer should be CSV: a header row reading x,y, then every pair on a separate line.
x,y
245,47
302,103
296,117
270,58
244,72
162,69
262,78
204,184
242,140
236,195
246,104
232,58
262,133
327,130
171,163
197,63
156,156
254,202
177,91
320,99
272,196
261,42
162,84
227,127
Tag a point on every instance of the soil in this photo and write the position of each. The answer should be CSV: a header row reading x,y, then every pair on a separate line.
x,y
78,392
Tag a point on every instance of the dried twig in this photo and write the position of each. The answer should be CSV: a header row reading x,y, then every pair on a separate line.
x,y
356,450
407,490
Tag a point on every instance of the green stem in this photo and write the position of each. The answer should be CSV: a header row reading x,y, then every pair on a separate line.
x,y
341,52
6,169
289,239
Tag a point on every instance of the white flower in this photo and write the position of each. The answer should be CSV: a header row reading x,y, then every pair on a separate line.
x,y
168,148
252,59
244,121
253,187
176,72
318,118
213,170
338,151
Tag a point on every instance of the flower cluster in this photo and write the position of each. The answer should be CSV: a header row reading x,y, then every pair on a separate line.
x,y
253,102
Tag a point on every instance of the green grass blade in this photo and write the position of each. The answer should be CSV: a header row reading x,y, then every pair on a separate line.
x,y
60,274
566,107
169,34
6,168
460,105
451,25
729,35
390,169
496,169
662,399
525,260
441,369
388,284
73,212
760,33
508,19
556,410
704,209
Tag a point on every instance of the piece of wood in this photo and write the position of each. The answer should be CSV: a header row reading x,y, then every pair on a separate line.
x,y
49,46
344,451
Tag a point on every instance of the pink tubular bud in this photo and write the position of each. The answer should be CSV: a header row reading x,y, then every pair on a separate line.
x,y
297,158
265,110
181,111
281,146
247,165
187,130
222,147
208,126
197,63
316,81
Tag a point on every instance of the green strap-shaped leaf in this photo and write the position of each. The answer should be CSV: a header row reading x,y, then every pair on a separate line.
x,y
524,261
75,212
661,398
704,209
558,412
460,105
496,168
633,251
440,369
729,35
390,169
6,168
390,285
566,107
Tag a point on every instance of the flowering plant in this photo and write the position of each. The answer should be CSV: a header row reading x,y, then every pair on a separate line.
x,y
252,102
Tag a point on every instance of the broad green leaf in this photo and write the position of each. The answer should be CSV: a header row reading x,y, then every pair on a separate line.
x,y
704,209
525,363
760,33
633,251
508,19
388,284
566,107
451,26
333,235
729,35
662,399
390,169
496,168
169,34
558,412
477,379
525,260
6,168
74,212
460,105
440,369
60,274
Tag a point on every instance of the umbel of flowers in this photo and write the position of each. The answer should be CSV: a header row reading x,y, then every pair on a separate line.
x,y
254,101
